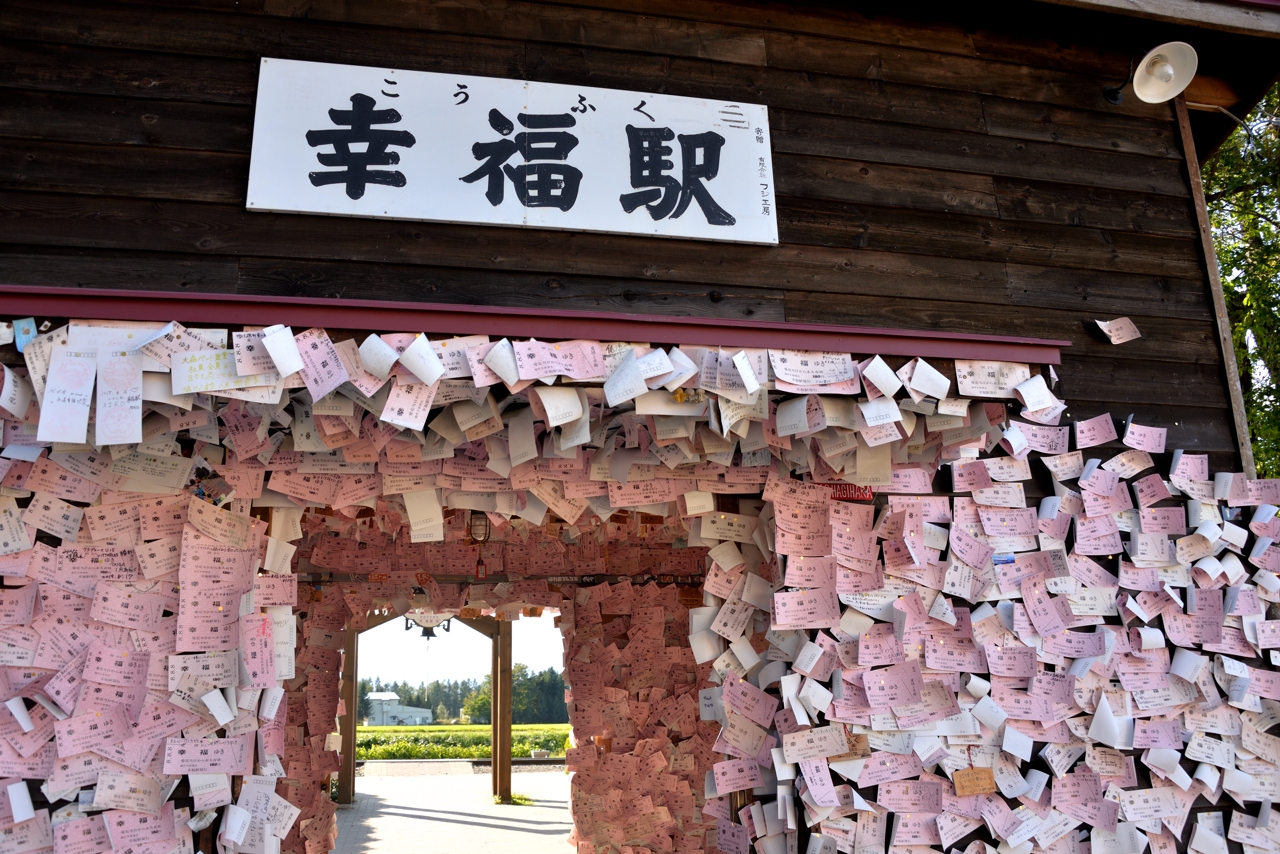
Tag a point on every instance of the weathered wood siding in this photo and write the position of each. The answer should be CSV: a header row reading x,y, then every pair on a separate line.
x,y
929,177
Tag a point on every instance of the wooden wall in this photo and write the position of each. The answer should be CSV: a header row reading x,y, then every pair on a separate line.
x,y
931,176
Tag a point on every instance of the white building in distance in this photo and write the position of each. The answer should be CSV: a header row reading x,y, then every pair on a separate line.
x,y
385,710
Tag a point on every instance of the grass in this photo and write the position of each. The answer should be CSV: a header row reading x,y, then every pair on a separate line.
x,y
515,728
517,800
455,742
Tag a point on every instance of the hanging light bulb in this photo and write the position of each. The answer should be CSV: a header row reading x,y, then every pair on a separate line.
x,y
478,527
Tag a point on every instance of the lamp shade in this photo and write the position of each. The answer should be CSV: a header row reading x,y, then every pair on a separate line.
x,y
1165,72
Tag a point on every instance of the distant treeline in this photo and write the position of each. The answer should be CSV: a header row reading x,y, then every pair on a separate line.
x,y
536,698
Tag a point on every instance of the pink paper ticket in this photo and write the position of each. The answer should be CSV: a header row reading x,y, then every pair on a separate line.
x,y
201,756
95,729
1095,431
742,697
735,775
81,836
806,609
885,767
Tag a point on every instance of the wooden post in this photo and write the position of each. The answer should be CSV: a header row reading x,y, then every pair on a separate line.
x,y
347,724
1222,321
503,712
493,713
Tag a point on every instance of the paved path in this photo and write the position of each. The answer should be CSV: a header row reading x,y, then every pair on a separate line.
x,y
455,813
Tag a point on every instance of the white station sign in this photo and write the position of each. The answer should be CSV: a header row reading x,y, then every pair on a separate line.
x,y
347,140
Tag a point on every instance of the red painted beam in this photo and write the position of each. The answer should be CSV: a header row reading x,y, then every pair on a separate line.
x,y
21,301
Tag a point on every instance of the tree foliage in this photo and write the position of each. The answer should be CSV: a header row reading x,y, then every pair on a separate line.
x,y
536,698
1242,189
447,694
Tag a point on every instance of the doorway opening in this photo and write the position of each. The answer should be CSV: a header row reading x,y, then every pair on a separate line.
x,y
426,729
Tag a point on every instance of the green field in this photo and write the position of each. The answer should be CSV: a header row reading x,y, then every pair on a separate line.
x,y
454,742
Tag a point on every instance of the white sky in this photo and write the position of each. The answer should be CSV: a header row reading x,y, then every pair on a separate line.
x,y
390,653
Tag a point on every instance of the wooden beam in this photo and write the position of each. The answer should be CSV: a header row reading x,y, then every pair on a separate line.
x,y
1223,321
1207,14
1209,93
493,712
347,723
503,713
486,626
20,301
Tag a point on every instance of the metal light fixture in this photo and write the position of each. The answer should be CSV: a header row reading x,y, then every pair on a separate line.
x,y
1161,75
478,528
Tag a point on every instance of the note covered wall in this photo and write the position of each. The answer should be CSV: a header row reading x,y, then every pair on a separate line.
x,y
1029,631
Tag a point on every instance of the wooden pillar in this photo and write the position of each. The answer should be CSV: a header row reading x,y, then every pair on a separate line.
x,y
493,713
347,723
503,712
1240,416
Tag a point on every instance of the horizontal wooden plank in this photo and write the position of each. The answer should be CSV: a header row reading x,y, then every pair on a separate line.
x,y
188,77
870,99
109,120
714,23
852,139
149,75
142,74
96,268
825,223
880,184
1214,16
1098,295
124,170
559,24
344,280
218,177
90,70
241,7
49,219
887,278
1108,295
975,30
1094,207
980,195
967,74
209,34
1106,131
1133,381
44,116
755,16
1105,295
487,27
1190,428
131,121
1165,340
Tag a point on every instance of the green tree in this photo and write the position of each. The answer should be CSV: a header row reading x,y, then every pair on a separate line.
x,y
524,702
478,703
442,713
363,687
1242,189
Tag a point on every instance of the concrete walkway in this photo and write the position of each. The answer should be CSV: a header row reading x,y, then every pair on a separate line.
x,y
455,813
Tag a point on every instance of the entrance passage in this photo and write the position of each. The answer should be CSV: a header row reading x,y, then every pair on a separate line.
x,y
415,786
409,811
